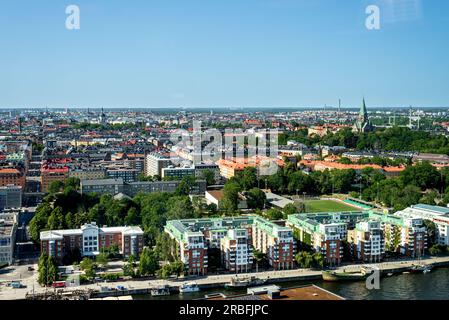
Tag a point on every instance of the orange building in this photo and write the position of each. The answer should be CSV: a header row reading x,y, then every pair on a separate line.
x,y
229,168
13,176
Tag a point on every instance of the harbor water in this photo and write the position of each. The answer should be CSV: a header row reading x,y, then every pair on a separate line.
x,y
430,286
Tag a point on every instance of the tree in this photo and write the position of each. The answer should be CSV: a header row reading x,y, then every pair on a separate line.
x,y
422,175
304,259
102,260
290,209
129,268
318,260
274,214
230,198
256,198
185,185
179,207
209,176
149,263
247,178
88,266
55,187
42,269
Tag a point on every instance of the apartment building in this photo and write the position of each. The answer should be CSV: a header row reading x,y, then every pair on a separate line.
x,y
325,237
87,173
237,251
202,167
127,174
178,172
367,241
195,236
436,214
275,241
154,163
50,174
12,176
91,239
404,235
8,228
114,186
10,197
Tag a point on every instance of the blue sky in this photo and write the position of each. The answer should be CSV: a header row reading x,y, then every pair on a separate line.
x,y
215,53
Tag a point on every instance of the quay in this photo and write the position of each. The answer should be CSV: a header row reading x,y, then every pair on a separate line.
x,y
142,287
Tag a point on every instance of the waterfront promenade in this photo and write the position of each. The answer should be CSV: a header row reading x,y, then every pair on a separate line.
x,y
212,281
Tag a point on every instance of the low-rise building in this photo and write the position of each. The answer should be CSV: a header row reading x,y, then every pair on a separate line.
x,y
51,174
91,239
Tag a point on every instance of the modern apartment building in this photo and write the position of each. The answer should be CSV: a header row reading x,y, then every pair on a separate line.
x,y
202,167
275,241
407,236
325,237
367,241
236,238
90,239
154,163
237,250
178,172
436,214
127,174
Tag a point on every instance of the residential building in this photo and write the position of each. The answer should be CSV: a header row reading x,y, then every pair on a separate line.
x,y
8,230
10,197
91,239
178,173
127,174
12,176
155,162
202,167
407,236
51,174
275,241
435,214
111,186
325,238
367,241
87,173
237,251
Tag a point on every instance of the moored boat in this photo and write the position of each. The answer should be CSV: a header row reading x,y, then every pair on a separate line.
x,y
244,282
346,276
189,287
160,291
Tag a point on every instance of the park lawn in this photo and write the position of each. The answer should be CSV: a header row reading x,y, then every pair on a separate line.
x,y
327,206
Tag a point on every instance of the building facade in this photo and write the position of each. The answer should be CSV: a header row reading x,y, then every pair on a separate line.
x,y
367,241
91,239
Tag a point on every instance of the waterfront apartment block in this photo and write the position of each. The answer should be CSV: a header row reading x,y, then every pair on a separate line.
x,y
435,214
91,239
236,237
275,241
237,250
404,235
325,237
367,241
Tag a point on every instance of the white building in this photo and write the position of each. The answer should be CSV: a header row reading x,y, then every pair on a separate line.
x,y
436,214
8,230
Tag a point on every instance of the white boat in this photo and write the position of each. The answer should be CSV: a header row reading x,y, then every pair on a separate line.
x,y
189,287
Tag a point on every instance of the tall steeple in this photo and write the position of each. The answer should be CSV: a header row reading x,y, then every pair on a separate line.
x,y
363,124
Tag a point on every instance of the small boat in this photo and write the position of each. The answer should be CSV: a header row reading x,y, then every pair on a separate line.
x,y
389,274
244,282
160,291
189,287
421,268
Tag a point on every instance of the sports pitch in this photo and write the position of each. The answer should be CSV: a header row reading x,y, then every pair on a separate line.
x,y
327,206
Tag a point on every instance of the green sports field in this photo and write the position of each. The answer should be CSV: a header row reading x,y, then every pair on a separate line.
x,y
327,206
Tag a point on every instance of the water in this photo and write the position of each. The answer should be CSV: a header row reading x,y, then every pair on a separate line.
x,y
430,286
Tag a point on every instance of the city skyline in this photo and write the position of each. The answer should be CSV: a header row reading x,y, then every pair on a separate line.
x,y
196,55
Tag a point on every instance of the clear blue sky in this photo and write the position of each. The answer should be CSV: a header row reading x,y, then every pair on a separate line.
x,y
200,53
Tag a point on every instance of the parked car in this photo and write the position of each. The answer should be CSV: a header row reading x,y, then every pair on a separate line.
x,y
30,269
120,288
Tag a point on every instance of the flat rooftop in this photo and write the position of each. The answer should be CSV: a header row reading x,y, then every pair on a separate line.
x,y
309,292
